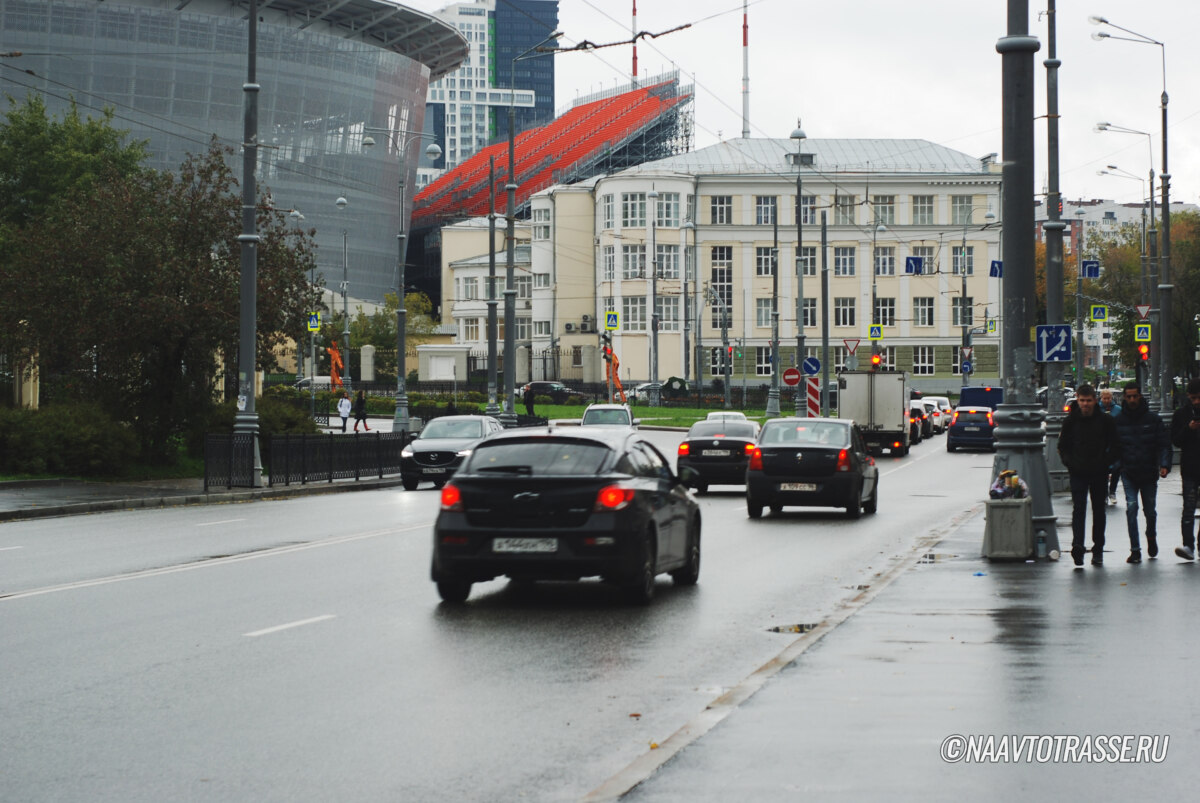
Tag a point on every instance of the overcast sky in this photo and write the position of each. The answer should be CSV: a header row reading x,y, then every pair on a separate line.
x,y
924,69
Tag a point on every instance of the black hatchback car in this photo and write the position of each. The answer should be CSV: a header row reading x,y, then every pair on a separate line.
x,y
811,462
719,450
557,504
557,391
441,447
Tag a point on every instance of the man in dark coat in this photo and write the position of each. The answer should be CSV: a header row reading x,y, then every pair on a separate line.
x,y
529,401
1145,458
1088,445
1185,433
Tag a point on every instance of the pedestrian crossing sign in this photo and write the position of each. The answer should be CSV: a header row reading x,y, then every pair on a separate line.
x,y
612,320
1099,312
875,332
1141,333
314,322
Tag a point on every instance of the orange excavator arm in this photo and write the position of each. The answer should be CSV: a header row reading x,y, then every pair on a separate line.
x,y
614,374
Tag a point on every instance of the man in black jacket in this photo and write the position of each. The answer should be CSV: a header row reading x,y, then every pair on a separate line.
x,y
1185,433
1088,445
1145,458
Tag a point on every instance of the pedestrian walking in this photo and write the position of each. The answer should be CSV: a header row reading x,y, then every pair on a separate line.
x,y
360,411
1145,458
1185,433
344,407
1107,405
529,401
1088,445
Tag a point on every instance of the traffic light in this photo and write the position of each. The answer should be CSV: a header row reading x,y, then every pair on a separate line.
x,y
876,361
606,345
1143,351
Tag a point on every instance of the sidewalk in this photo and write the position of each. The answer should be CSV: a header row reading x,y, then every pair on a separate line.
x,y
959,645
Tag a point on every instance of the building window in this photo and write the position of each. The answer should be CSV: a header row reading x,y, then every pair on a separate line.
x,y
721,282
667,210
541,328
966,318
764,209
610,264
808,259
606,206
843,210
923,311
763,364
885,209
633,209
810,312
470,329
721,207
633,262
960,262
668,313
576,356
470,289
762,312
524,286
667,261
888,357
925,252
960,209
923,360
843,312
808,210
885,311
541,280
843,261
633,314
764,261
922,210
524,327
885,260
541,224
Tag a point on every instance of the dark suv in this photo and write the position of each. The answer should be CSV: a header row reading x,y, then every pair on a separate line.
x,y
971,428
557,391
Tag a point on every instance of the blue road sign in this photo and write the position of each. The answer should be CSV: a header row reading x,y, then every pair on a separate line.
x,y
1141,333
966,366
1099,312
612,320
314,322
914,264
997,269
875,332
812,366
1090,268
1053,343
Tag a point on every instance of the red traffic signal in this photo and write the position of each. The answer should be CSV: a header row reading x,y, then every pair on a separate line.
x,y
1144,351
876,361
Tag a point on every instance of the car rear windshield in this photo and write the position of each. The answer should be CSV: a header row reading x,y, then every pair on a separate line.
x,y
542,457
733,429
605,417
823,434
442,428
972,417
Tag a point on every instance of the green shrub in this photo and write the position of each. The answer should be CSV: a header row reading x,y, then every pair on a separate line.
x,y
78,440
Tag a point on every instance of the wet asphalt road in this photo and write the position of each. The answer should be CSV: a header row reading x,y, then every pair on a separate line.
x,y
297,651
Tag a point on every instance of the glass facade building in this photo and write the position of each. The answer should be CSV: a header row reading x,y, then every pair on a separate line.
x,y
173,74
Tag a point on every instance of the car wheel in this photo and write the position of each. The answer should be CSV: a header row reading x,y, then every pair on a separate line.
x,y
753,508
872,504
409,484
640,590
454,591
854,509
950,447
690,573
776,510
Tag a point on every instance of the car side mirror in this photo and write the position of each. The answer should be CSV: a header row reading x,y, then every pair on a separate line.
x,y
637,421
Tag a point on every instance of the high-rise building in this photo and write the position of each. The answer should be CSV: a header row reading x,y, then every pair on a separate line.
x,y
468,108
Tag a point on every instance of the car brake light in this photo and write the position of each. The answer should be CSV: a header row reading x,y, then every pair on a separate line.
x,y
756,459
991,422
749,449
954,420
613,497
451,498
843,460
685,449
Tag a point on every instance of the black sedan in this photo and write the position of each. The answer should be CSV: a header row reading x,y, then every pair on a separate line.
x,y
811,462
556,504
441,447
719,450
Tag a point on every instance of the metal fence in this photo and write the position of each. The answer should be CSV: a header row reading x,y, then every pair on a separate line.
x,y
229,460
325,458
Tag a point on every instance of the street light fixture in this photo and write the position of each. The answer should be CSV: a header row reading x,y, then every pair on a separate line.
x,y
1164,289
1117,172
801,394
400,138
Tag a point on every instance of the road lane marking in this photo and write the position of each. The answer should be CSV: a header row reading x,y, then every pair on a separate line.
x,y
215,523
206,563
6,548
290,625
719,709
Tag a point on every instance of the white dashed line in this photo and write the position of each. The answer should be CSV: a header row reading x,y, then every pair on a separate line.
x,y
290,625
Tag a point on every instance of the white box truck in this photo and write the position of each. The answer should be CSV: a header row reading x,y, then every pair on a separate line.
x,y
878,402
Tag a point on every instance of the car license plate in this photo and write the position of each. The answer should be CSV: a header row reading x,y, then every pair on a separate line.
x,y
715,453
797,486
433,471
524,544
970,429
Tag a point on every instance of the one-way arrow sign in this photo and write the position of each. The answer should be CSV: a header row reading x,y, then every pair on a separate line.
x,y
1053,343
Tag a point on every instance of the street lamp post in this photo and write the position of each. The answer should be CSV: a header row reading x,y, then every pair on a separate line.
x,y
875,231
492,407
401,137
1079,213
773,393
688,268
801,396
346,380
1167,377
1113,170
962,301
652,215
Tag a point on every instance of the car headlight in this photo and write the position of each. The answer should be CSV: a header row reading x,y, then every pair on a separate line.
x,y
465,453
406,451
